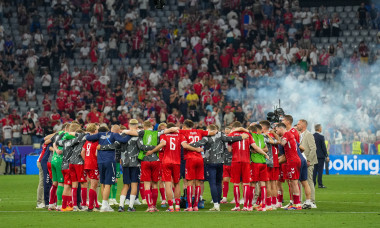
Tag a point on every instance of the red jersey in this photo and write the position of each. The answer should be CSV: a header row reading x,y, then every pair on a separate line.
x,y
173,119
209,120
21,92
172,150
290,148
274,153
296,135
94,117
46,103
193,135
241,149
90,159
61,103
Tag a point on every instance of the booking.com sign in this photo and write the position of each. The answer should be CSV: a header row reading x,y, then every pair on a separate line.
x,y
354,164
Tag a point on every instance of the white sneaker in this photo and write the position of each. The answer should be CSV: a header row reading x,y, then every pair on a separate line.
x,y
75,208
215,209
212,201
313,205
233,201
127,202
163,202
106,209
274,207
287,205
110,202
137,202
40,206
99,203
279,205
242,201
84,208
143,202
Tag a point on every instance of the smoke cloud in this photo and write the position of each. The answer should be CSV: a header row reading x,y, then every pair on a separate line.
x,y
349,100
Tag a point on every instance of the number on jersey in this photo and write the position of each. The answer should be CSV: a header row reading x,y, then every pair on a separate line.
x,y
172,143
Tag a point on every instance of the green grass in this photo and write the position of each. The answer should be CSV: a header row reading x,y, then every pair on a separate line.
x,y
349,201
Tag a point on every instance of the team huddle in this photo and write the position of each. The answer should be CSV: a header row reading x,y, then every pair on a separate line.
x,y
257,159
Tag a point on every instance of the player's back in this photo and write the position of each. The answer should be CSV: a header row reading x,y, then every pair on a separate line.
x,y
290,148
90,160
295,134
172,149
192,136
241,149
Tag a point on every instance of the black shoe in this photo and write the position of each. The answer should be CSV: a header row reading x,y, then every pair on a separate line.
x,y
121,209
131,209
322,186
90,210
306,206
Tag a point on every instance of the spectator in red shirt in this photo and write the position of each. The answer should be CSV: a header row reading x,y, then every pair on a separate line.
x,y
21,93
216,97
60,103
46,103
209,119
225,61
288,19
164,54
44,120
123,118
93,116
55,117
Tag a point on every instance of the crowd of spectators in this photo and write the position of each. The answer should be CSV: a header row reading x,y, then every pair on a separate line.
x,y
108,61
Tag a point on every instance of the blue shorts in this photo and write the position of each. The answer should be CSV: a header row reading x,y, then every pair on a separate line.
x,y
303,171
183,169
131,175
107,172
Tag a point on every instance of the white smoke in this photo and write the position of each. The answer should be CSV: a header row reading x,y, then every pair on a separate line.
x,y
350,100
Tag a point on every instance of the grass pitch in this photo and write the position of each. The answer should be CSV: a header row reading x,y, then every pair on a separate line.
x,y
349,201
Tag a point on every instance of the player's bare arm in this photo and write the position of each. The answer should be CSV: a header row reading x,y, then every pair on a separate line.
x,y
282,159
157,148
82,153
302,148
259,150
171,130
240,129
130,132
48,137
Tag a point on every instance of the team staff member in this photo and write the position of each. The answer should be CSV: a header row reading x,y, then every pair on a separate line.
x,y
309,150
321,155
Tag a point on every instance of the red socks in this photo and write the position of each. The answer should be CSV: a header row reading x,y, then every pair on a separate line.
x,y
142,191
197,195
263,195
225,189
74,194
65,201
92,199
269,201
296,199
154,196
237,195
274,200
280,198
246,194
53,194
170,202
177,202
189,196
148,197
162,192
83,192
251,195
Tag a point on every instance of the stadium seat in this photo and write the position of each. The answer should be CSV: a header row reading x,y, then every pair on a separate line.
x,y
355,8
347,33
331,9
339,9
352,26
333,40
348,8
368,39
324,40
343,15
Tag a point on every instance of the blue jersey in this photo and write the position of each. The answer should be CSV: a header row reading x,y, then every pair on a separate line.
x,y
106,138
8,156
303,160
